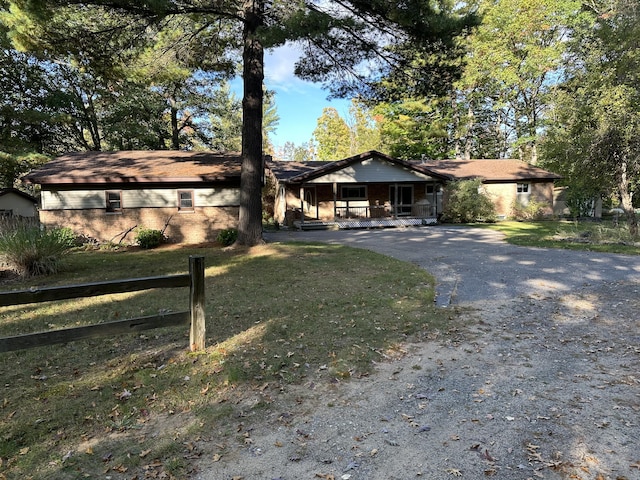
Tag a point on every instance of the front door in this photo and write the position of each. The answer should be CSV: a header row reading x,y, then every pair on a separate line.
x,y
310,206
401,199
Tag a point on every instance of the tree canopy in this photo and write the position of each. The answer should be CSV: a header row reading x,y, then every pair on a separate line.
x,y
594,139
115,39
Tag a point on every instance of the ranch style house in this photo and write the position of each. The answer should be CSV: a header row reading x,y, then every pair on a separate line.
x,y
373,189
191,196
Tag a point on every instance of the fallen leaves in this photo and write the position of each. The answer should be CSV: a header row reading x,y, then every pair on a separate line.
x,y
454,471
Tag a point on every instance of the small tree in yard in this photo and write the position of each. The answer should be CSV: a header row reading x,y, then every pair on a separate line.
x,y
466,202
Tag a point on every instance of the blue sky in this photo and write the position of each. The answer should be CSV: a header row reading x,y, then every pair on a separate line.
x,y
299,103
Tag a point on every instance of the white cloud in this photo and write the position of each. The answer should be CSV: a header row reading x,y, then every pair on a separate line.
x,y
279,70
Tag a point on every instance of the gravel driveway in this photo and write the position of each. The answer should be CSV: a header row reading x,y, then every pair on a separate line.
x,y
539,379
475,264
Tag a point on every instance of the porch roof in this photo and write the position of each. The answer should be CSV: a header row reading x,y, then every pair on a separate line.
x,y
296,172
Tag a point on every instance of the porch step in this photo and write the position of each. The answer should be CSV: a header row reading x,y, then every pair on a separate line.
x,y
354,224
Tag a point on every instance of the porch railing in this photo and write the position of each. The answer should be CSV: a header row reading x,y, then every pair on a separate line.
x,y
384,211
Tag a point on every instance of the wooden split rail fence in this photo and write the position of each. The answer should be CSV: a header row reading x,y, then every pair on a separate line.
x,y
195,315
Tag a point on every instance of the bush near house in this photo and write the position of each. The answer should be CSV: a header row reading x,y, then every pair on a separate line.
x,y
227,236
466,202
149,238
534,210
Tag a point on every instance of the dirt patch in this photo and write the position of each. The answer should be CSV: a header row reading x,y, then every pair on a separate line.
x,y
536,387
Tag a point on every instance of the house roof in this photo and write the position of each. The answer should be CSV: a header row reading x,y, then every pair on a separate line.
x,y
296,172
495,170
286,170
144,166
15,191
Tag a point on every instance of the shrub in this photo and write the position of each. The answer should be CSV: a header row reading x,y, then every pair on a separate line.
x,y
532,211
227,236
31,250
66,236
466,202
148,238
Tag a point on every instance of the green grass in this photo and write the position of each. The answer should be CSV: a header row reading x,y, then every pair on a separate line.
x,y
135,405
594,236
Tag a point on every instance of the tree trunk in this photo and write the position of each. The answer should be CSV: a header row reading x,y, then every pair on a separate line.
x,y
626,200
468,143
92,124
175,132
250,219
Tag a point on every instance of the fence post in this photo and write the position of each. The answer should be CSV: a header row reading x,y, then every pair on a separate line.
x,y
196,303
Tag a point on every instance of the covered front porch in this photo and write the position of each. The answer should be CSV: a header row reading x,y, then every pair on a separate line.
x,y
370,190
366,206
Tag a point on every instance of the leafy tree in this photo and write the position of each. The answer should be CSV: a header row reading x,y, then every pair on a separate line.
x,y
332,135
595,138
414,128
226,121
513,58
270,119
26,102
338,138
364,127
294,153
15,165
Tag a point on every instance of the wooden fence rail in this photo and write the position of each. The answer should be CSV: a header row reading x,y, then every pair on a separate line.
x,y
195,315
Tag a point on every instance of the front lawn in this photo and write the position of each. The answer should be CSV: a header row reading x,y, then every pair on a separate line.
x,y
602,236
135,406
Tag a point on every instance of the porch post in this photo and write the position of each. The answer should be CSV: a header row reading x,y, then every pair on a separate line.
x,y
335,201
395,200
301,205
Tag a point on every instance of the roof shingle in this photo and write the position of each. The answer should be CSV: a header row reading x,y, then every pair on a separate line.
x,y
144,166
495,170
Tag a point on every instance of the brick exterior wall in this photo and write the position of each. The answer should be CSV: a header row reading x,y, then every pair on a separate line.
x,y
201,225
504,194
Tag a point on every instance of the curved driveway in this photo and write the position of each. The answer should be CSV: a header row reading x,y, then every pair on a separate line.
x,y
474,264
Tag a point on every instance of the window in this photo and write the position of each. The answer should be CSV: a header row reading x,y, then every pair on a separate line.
x,y
114,201
523,188
353,192
185,200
